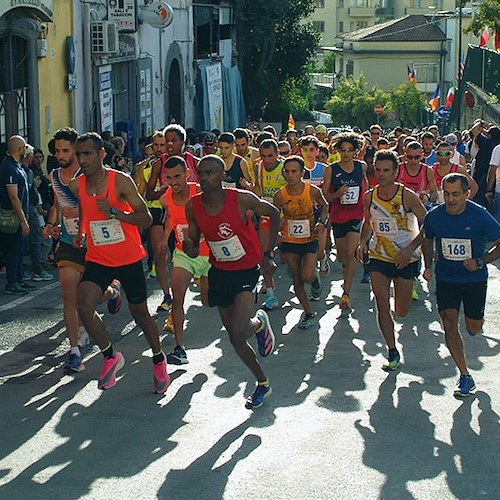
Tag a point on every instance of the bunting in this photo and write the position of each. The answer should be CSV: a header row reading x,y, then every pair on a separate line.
x,y
411,76
291,122
434,100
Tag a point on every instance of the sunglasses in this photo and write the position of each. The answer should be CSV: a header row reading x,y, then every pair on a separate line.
x,y
444,153
413,157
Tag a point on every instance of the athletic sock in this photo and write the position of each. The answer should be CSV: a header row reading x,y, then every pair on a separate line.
x,y
158,357
265,383
76,350
108,352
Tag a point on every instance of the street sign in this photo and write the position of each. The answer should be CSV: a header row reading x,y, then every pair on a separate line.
x,y
443,112
378,109
391,115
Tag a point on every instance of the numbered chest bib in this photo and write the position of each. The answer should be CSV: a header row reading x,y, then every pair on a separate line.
x,y
456,249
72,225
228,250
386,226
106,232
351,196
299,228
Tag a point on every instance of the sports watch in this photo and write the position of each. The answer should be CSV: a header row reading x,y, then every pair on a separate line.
x,y
480,263
113,212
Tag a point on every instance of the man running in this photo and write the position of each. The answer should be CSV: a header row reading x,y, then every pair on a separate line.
x,y
184,268
222,215
111,210
301,230
461,229
391,212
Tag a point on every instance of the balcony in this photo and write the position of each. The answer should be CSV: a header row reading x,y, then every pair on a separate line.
x,y
322,80
361,11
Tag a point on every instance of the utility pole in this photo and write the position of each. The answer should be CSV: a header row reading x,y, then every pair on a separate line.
x,y
459,72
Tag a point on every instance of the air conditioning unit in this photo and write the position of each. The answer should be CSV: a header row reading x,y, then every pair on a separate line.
x,y
104,36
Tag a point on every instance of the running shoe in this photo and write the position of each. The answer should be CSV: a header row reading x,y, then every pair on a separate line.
x,y
27,286
15,289
270,303
83,338
178,356
393,361
307,320
316,289
365,278
169,324
43,276
74,364
161,379
256,400
265,335
465,385
345,303
166,304
107,377
324,267
414,293
115,304
152,273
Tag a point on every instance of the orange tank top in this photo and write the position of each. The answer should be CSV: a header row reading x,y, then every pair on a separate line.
x,y
110,242
177,215
299,219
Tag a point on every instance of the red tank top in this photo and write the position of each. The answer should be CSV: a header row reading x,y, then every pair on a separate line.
x,y
418,183
190,163
110,242
234,245
177,215
439,178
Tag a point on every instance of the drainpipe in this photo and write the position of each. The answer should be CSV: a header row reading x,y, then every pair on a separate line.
x,y
87,66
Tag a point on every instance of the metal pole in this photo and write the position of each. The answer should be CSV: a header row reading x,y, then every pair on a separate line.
x,y
459,72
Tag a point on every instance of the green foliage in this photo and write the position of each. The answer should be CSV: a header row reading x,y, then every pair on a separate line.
x,y
328,65
274,46
352,103
488,14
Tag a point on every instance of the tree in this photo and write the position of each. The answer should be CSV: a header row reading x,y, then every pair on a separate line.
x,y
328,65
488,14
408,103
274,45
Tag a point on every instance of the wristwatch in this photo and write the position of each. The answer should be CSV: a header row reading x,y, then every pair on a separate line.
x,y
324,222
480,263
113,212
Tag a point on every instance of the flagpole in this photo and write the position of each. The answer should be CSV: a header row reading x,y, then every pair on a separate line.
x,y
459,73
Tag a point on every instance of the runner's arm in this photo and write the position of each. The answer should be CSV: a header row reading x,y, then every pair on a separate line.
x,y
428,252
151,192
366,228
431,181
474,188
191,245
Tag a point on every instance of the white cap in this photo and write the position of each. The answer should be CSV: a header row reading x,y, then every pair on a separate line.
x,y
29,150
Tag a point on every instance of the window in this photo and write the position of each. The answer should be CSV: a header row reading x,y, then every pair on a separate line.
x,y
341,26
341,4
320,4
319,26
361,24
349,70
351,25
426,72
211,24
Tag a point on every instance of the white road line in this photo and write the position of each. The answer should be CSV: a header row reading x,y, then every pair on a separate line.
x,y
27,298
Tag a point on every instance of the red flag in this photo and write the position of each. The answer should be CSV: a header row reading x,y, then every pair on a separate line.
x,y
497,40
485,37
449,97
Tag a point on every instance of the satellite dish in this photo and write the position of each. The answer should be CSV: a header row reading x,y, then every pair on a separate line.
x,y
158,15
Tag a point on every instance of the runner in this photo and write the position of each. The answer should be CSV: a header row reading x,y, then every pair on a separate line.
x,y
300,230
221,214
184,268
236,168
345,183
111,210
461,229
391,211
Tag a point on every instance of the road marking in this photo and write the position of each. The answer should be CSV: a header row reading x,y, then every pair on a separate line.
x,y
26,298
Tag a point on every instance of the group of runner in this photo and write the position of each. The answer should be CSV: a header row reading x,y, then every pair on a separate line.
x,y
221,218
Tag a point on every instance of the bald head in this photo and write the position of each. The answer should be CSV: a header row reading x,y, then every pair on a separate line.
x,y
16,145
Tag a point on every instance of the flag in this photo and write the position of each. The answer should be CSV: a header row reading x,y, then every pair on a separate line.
x,y
434,100
449,97
485,37
411,76
497,40
291,122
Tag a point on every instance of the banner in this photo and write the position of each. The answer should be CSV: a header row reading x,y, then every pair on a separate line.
x,y
215,99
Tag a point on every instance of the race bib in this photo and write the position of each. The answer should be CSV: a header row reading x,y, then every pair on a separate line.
x,y
72,225
228,184
106,232
228,250
386,226
182,232
299,228
351,196
456,249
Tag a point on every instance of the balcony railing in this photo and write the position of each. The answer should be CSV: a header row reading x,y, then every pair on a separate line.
x,y
361,11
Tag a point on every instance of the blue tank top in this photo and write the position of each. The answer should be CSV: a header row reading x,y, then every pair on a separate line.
x,y
66,199
234,174
315,176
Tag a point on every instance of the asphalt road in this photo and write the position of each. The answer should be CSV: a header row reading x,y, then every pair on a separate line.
x,y
336,425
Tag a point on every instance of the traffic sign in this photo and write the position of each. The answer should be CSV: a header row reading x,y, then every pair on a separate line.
x,y
443,112
378,109
391,115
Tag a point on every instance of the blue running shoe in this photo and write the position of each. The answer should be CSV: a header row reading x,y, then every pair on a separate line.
x,y
465,385
256,400
270,303
366,277
74,364
393,361
265,336
115,304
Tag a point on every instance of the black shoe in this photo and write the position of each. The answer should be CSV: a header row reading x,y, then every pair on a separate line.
x,y
178,356
166,304
27,286
15,289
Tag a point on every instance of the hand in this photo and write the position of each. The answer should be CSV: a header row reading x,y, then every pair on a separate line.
x,y
361,251
403,258
78,241
341,191
70,212
490,198
319,227
245,184
427,274
268,265
104,206
190,248
471,264
25,229
162,247
47,231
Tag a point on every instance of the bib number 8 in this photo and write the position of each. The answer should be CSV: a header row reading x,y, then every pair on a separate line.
x,y
226,251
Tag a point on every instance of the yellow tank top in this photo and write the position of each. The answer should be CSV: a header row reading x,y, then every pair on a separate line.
x,y
250,163
299,217
270,182
147,174
393,227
